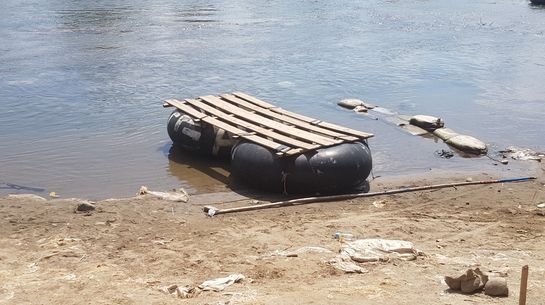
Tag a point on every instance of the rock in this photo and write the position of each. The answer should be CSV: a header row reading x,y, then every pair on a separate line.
x,y
453,283
427,122
414,130
496,286
351,103
468,144
85,207
471,281
444,133
360,109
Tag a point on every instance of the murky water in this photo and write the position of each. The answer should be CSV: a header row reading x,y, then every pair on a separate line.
x,y
82,82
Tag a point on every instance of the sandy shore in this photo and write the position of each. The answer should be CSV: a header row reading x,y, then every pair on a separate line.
x,y
128,249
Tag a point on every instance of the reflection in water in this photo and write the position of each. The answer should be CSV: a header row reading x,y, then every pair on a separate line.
x,y
204,174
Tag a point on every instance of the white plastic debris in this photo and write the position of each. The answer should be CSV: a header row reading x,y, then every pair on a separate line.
x,y
374,250
221,283
297,252
182,196
517,153
344,263
186,292
27,197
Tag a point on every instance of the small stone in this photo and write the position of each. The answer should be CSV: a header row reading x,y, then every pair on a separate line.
x,y
85,207
497,287
469,179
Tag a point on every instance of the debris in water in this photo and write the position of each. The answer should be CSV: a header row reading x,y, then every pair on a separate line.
x,y
445,154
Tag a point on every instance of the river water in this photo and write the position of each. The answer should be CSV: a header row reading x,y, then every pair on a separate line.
x,y
82,82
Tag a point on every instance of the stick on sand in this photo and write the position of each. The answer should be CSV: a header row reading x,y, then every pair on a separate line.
x,y
211,211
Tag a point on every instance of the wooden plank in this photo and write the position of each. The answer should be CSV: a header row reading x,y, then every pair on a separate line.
x,y
279,127
187,109
234,130
254,100
313,121
233,120
303,124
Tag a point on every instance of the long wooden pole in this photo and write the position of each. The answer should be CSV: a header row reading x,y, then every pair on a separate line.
x,y
211,211
523,285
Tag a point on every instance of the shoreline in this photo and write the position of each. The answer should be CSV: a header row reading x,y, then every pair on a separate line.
x,y
128,250
432,176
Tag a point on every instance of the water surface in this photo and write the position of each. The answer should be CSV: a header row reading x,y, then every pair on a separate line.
x,y
82,82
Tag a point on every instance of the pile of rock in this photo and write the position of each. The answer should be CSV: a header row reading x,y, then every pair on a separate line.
x,y
474,280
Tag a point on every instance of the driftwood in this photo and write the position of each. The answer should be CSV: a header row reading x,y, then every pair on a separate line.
x,y
300,201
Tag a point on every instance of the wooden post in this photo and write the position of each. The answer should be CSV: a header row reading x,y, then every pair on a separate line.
x,y
523,285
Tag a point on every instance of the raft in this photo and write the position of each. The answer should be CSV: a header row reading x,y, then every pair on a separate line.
x,y
272,149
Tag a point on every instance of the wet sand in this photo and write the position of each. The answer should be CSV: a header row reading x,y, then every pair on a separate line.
x,y
128,249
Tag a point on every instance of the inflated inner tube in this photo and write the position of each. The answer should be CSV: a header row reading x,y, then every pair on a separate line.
x,y
336,169
198,137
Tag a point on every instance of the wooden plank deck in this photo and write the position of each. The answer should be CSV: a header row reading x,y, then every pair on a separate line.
x,y
247,117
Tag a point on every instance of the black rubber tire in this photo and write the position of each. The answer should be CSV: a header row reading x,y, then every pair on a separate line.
x,y
338,169
196,137
256,166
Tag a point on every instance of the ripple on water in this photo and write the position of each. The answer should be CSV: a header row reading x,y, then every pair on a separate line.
x,y
81,83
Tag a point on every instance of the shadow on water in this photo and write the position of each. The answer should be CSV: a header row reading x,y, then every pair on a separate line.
x,y
17,187
201,173
209,175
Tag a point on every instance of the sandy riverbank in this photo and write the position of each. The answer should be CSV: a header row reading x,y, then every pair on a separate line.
x,y
128,249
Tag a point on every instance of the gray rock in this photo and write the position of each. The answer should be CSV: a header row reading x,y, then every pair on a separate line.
x,y
85,207
427,122
445,133
351,103
497,287
360,109
469,282
468,144
472,281
453,283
